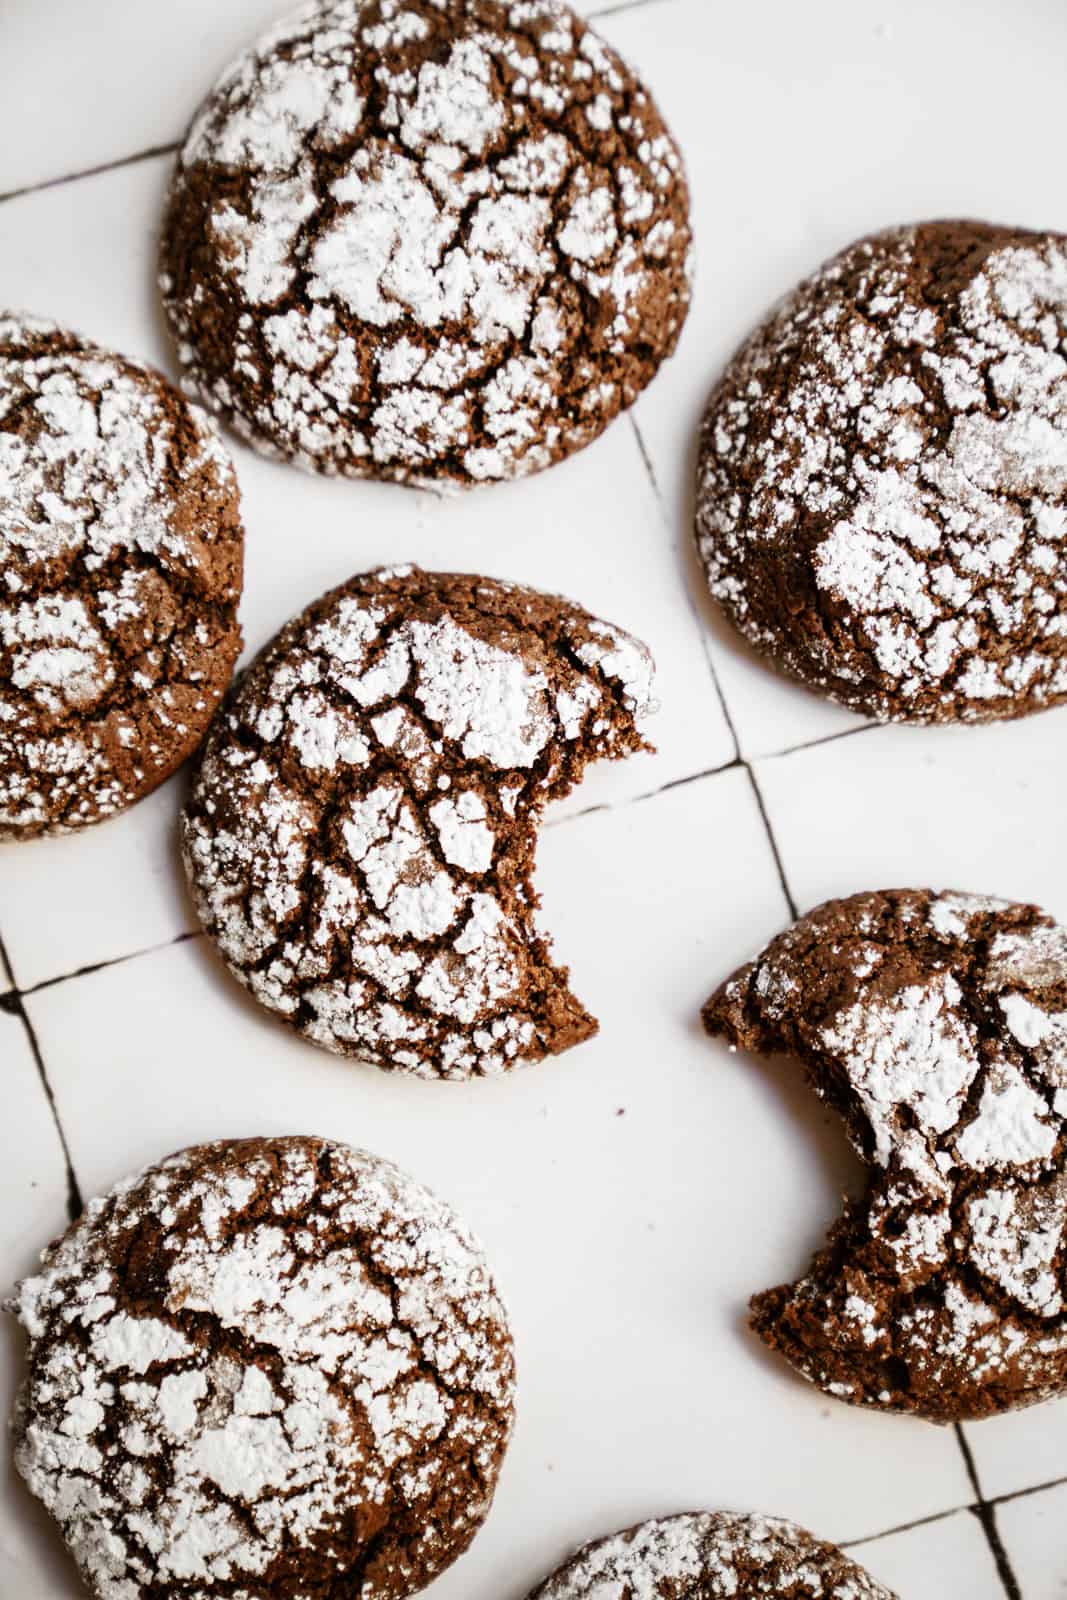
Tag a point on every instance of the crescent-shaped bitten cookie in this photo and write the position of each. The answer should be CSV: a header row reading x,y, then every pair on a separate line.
x,y
936,1025
361,833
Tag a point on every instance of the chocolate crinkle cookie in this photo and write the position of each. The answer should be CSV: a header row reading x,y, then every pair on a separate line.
x,y
711,1556
882,496
439,241
936,1026
121,554
267,1370
360,838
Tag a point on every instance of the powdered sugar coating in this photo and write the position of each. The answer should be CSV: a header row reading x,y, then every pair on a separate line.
x,y
711,1556
120,570
262,1366
360,838
937,1026
890,451
437,240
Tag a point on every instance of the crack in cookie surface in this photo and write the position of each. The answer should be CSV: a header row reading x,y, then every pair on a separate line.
x,y
936,1025
443,240
265,1369
882,496
711,1556
121,555
360,839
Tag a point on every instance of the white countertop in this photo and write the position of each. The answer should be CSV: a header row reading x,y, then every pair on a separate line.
x,y
627,1245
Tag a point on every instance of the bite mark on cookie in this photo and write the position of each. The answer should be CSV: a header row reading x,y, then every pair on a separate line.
x,y
936,1025
360,840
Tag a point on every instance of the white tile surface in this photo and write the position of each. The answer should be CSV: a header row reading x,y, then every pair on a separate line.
x,y
962,808
975,809
33,1207
804,127
1018,1451
627,1244
33,1179
98,82
942,1559
73,902
1033,1530
592,527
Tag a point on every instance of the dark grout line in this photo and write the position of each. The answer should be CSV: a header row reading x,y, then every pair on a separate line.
x,y
906,1527
93,172
576,816
647,459
773,842
1024,1494
104,966
974,1508
639,799
969,1463
682,783
75,1203
985,1511
987,1519
816,744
